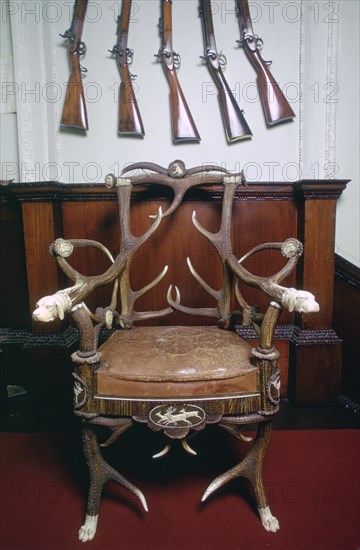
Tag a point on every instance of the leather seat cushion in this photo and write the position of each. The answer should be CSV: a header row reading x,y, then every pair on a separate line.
x,y
175,361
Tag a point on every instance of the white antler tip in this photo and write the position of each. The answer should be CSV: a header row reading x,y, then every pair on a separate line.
x,y
177,297
190,266
143,501
158,215
169,292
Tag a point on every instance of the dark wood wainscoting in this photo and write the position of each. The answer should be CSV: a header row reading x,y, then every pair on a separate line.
x,y
32,216
347,326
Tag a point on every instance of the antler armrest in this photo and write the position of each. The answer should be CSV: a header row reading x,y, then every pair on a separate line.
x,y
51,307
292,299
56,305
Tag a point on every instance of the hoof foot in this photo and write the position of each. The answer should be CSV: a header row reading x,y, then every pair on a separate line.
x,y
88,530
269,521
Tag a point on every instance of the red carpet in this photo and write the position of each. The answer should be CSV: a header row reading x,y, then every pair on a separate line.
x,y
312,479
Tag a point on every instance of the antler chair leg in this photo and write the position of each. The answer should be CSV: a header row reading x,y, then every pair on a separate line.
x,y
100,472
251,468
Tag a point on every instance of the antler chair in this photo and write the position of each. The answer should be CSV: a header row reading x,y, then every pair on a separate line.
x,y
217,377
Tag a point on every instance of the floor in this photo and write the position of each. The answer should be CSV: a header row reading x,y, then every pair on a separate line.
x,y
326,418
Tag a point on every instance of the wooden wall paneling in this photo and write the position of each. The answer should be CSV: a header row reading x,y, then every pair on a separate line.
x,y
42,225
315,350
314,377
318,262
13,279
97,221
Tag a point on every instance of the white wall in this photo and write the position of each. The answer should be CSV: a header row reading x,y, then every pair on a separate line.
x,y
348,138
88,158
8,123
301,37
153,94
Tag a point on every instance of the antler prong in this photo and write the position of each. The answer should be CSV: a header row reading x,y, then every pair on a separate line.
x,y
222,243
130,244
239,296
214,293
208,312
172,302
157,217
200,228
164,451
151,285
131,296
144,315
179,194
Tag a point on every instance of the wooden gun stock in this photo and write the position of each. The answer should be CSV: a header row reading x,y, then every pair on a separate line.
x,y
275,106
182,123
74,113
130,122
236,127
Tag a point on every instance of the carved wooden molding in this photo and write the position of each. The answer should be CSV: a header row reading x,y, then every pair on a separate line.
x,y
70,336
31,340
262,191
314,337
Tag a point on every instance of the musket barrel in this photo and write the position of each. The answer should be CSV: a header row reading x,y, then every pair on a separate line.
x,y
124,19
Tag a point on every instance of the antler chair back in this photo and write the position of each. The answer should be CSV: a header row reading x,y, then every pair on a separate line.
x,y
189,376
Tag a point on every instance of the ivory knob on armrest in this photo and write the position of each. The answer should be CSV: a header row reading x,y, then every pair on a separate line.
x,y
52,307
300,301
